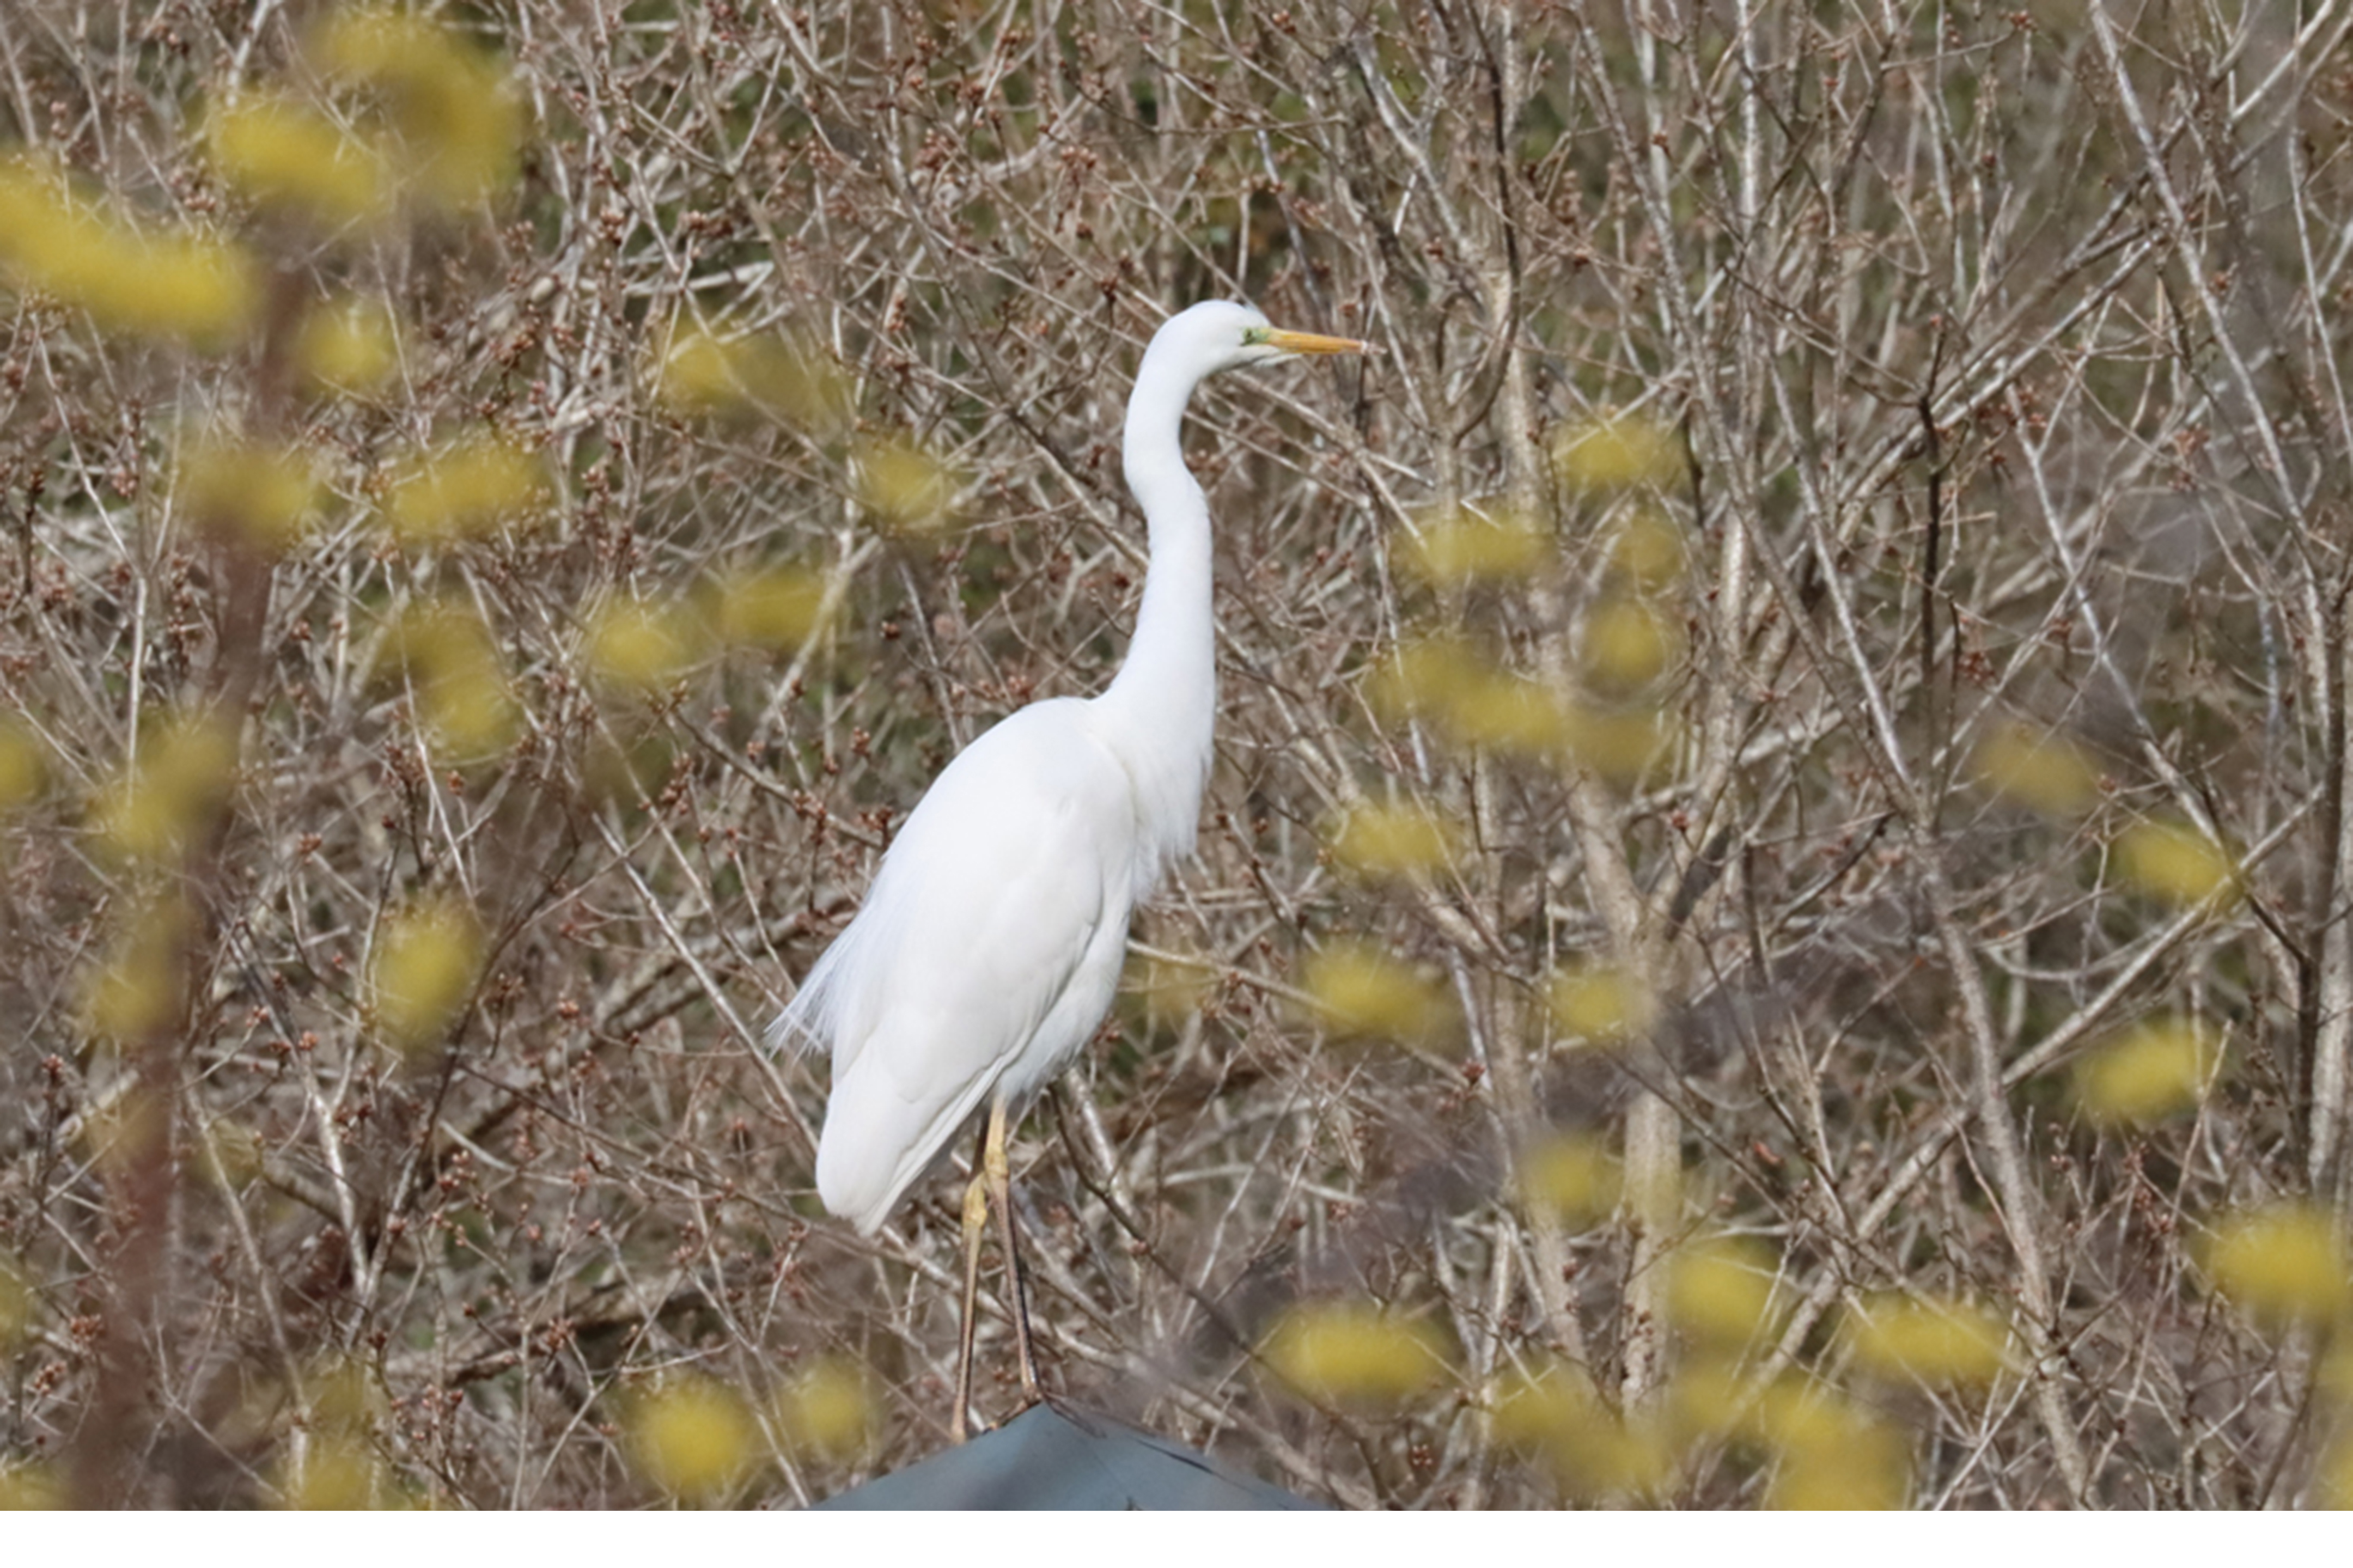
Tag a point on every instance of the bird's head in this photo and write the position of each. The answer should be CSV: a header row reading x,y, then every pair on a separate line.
x,y
1220,334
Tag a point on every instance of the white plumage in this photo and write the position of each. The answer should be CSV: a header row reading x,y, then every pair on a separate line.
x,y
987,953
989,946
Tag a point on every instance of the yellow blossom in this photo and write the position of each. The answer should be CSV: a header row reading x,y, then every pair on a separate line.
x,y
1833,1456
2283,1264
776,609
466,703
1574,1176
702,371
266,496
175,283
425,961
169,798
1628,643
2043,769
1720,1290
463,487
1467,546
2177,862
350,345
1594,1452
1346,1352
24,765
26,1488
1602,1003
281,153
640,643
1941,1342
692,1438
1648,554
905,487
828,1410
337,1473
2157,1069
1358,992
1618,453
454,107
1377,841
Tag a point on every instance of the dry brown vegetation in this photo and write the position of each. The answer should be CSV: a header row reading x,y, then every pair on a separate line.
x,y
1769,924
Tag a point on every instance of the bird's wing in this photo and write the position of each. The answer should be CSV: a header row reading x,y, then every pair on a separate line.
x,y
990,902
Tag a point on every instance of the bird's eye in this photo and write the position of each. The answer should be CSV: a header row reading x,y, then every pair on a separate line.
x,y
1255,337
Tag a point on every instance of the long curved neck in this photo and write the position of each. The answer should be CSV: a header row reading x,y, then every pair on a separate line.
x,y
1162,706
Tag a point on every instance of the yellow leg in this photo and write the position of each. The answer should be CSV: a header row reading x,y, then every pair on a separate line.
x,y
1001,1188
975,1220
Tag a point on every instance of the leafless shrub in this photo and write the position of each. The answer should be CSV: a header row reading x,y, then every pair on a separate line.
x,y
1816,659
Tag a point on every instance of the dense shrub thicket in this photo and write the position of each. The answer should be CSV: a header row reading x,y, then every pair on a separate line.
x,y
1769,922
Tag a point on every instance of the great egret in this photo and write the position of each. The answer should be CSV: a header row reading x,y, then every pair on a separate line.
x,y
990,942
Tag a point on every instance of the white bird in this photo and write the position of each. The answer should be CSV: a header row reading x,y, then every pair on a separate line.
x,y
990,943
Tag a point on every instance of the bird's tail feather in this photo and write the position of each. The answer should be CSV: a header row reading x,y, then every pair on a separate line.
x,y
805,1026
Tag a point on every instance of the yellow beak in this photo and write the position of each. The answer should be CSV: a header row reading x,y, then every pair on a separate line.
x,y
1312,343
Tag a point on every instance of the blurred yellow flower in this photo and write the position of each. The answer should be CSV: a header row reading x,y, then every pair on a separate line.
x,y
828,1411
2336,1378
266,496
124,1132
703,372
2283,1266
170,797
2043,769
1629,644
1533,1405
1573,1177
349,344
1347,1352
1617,744
24,765
904,486
279,151
1172,990
456,110
1358,992
776,609
27,1489
1617,454
1941,1342
641,645
1594,1452
1705,1398
692,1438
1648,554
463,487
1474,702
345,1396
177,283
1832,1456
2177,862
1720,1290
229,1155
1601,1003
1505,714
337,1473
425,961
1377,841
2158,1068
465,703
1415,679
1467,546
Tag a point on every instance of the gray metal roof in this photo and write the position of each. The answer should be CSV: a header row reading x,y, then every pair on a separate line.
x,y
1056,1458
